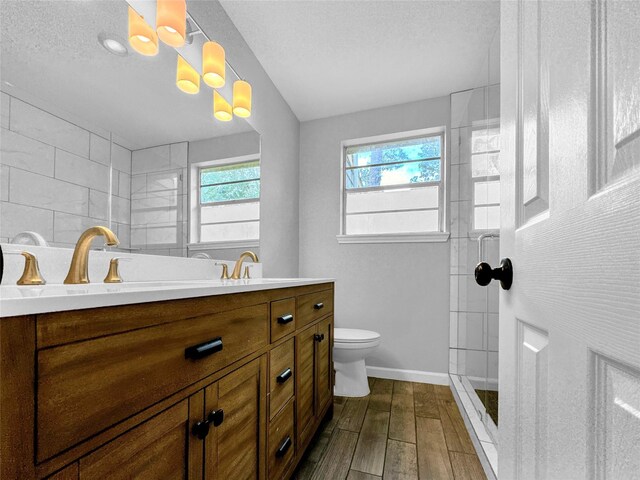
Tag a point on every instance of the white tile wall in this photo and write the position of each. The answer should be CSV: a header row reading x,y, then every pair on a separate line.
x,y
100,150
121,158
4,183
121,210
98,205
18,218
5,106
32,122
81,171
22,152
28,188
124,184
67,227
56,176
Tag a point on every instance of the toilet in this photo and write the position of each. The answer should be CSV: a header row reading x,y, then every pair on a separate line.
x,y
350,348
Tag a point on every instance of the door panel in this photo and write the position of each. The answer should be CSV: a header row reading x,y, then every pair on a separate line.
x,y
324,363
155,449
570,324
305,379
232,448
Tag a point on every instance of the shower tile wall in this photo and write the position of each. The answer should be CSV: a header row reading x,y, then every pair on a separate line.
x,y
55,176
159,200
473,309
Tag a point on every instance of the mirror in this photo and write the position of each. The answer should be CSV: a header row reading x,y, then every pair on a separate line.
x,y
93,133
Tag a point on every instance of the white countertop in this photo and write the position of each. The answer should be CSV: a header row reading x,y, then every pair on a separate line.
x,y
29,300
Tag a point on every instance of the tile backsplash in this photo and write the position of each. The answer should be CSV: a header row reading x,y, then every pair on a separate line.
x,y
56,177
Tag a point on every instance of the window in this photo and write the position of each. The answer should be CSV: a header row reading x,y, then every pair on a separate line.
x,y
485,153
229,201
393,187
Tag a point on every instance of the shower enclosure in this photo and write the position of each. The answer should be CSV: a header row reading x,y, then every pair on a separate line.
x,y
475,237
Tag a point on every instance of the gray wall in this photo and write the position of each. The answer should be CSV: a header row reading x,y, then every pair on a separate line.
x,y
280,137
400,290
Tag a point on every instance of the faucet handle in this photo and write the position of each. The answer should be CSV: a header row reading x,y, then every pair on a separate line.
x,y
246,271
113,275
225,270
31,273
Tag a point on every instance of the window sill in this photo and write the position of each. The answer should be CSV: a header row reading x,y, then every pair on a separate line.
x,y
223,245
431,237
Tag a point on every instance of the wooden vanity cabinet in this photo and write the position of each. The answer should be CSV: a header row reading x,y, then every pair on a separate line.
x,y
123,398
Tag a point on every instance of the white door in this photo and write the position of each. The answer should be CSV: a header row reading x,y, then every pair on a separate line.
x,y
570,171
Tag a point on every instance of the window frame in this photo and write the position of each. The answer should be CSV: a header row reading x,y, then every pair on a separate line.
x,y
195,242
411,237
474,180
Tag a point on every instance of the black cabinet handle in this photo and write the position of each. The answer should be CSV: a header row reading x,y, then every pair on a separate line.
x,y
282,450
318,306
318,337
284,319
484,274
284,376
201,429
216,417
204,349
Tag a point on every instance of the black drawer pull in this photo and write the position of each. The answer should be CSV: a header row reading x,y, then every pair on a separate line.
x,y
318,306
204,349
282,450
284,376
284,319
318,337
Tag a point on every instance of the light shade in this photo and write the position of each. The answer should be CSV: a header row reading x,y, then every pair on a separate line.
x,y
242,98
221,108
187,78
171,21
213,66
142,37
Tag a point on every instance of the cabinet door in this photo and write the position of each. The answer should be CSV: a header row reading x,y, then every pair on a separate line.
x,y
156,449
232,447
324,364
305,380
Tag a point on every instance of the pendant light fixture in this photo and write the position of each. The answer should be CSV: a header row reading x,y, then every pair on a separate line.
x,y
187,78
241,99
171,21
221,108
142,37
213,64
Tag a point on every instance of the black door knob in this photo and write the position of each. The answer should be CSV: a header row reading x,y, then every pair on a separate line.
x,y
504,273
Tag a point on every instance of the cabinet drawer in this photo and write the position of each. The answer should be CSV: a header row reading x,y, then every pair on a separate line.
x,y
313,306
281,442
85,387
281,376
282,318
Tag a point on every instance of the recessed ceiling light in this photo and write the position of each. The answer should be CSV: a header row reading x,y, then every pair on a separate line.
x,y
113,44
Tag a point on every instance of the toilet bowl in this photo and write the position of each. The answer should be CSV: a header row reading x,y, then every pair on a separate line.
x,y
350,348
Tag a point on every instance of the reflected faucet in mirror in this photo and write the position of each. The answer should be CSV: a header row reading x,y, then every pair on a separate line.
x,y
30,237
79,269
238,266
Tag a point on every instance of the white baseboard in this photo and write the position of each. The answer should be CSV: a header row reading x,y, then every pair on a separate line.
x,y
408,375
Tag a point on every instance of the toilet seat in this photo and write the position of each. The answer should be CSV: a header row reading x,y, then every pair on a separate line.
x,y
353,335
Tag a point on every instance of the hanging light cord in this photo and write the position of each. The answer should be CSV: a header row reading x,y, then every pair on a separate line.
x,y
201,31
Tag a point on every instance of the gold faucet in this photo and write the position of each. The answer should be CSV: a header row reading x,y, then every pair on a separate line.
x,y
79,269
238,266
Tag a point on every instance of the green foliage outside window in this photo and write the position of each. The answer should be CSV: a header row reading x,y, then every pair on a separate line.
x,y
225,183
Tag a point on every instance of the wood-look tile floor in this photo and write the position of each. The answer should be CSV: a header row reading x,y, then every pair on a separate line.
x,y
401,431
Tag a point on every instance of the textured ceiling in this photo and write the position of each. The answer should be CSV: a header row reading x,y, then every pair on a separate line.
x,y
50,53
334,57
